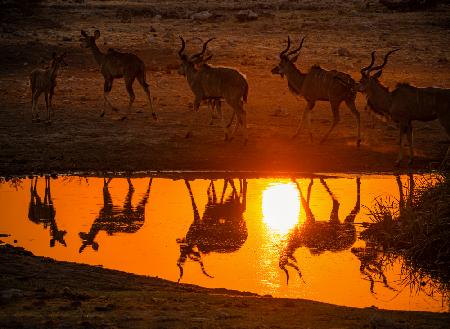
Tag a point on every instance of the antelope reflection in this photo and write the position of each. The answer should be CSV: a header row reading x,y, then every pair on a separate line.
x,y
373,257
319,236
44,212
113,219
221,228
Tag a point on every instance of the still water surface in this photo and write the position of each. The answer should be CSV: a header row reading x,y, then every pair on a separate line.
x,y
282,237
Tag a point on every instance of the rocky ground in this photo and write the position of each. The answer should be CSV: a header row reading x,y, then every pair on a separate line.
x,y
37,292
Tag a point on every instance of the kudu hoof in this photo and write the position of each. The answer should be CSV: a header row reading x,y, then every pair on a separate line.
x,y
154,117
102,114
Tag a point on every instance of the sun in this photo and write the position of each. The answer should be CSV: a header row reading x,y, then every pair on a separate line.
x,y
281,207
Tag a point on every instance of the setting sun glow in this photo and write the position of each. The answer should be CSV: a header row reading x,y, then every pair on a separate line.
x,y
281,207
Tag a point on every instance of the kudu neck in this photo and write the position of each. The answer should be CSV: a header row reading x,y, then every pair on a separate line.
x,y
294,76
98,55
378,96
191,74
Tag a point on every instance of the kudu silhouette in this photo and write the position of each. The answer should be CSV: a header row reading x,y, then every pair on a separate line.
x,y
320,236
222,227
44,212
113,219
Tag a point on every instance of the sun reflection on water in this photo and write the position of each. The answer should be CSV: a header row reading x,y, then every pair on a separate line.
x,y
281,207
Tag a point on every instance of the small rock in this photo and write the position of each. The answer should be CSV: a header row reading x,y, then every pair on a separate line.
x,y
344,52
246,15
11,293
202,16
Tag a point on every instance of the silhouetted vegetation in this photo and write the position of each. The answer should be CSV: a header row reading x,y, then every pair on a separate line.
x,y
417,228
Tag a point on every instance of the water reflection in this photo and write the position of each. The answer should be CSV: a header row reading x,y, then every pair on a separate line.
x,y
281,207
319,236
221,228
114,219
44,212
264,229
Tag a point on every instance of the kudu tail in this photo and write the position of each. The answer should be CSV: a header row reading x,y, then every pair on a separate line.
x,y
244,97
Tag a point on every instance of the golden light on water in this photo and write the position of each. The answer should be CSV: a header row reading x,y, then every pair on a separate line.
x,y
281,207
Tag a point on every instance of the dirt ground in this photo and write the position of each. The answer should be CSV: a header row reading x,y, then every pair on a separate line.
x,y
37,292
79,140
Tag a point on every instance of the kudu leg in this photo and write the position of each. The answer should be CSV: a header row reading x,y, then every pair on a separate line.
x,y
106,90
211,106
47,108
222,121
34,109
400,152
241,120
351,105
132,97
409,136
194,118
146,88
336,119
50,98
306,116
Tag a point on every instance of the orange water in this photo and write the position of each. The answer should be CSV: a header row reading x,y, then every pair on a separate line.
x,y
265,224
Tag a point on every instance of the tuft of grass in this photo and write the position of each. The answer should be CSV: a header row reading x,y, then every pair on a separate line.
x,y
417,228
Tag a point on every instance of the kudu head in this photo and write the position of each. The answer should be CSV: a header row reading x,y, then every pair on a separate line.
x,y
194,61
287,58
190,251
366,78
88,41
58,60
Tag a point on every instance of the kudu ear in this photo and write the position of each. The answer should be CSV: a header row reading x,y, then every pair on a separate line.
x,y
377,75
97,34
294,59
207,58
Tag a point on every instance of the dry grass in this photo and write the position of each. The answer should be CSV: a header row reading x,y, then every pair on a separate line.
x,y
417,228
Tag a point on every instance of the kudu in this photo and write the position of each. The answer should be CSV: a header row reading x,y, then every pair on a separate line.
x,y
320,236
209,82
113,219
116,65
44,81
44,212
318,85
221,228
405,104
